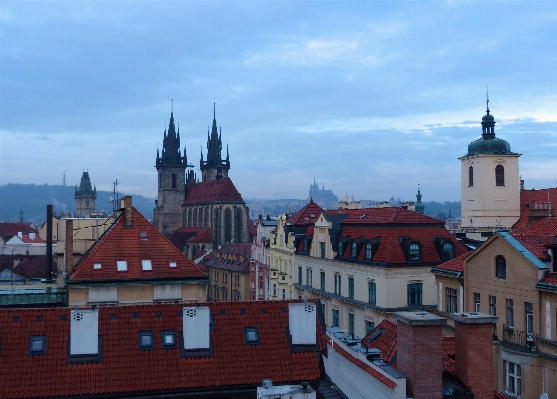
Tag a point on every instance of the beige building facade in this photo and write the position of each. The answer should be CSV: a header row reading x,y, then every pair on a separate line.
x,y
282,262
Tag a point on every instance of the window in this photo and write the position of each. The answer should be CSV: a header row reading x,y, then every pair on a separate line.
x,y
451,300
529,307
146,341
335,318
274,290
368,251
477,301
173,180
499,175
513,376
351,287
37,345
414,253
305,244
216,293
224,277
448,251
172,264
350,323
353,250
336,283
251,336
510,313
168,339
322,249
415,294
323,281
339,249
493,305
216,276
122,265
309,277
143,235
372,292
225,295
500,267
97,266
470,176
283,294
370,325
146,265
236,279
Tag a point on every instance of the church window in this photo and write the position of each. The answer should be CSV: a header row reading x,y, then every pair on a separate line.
x,y
499,175
173,180
238,225
227,225
470,176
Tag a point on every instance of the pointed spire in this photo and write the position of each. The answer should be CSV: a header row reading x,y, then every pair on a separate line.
x,y
487,99
214,110
227,156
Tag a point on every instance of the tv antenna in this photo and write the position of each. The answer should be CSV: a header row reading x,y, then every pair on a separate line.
x,y
114,197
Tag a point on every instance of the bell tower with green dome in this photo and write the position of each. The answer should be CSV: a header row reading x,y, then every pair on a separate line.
x,y
490,187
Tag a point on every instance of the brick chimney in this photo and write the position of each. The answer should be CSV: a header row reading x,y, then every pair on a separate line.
x,y
126,204
68,253
419,353
474,352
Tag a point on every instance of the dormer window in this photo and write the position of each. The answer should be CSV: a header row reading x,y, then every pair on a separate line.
x,y
146,340
339,249
448,251
368,251
353,250
414,252
37,345
122,265
146,265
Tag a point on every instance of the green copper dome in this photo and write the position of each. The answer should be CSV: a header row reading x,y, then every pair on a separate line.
x,y
488,144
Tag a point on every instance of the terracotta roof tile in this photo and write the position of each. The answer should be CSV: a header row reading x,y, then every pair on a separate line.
x,y
550,278
529,196
126,369
307,215
385,216
8,229
536,235
386,341
235,257
121,243
454,265
222,190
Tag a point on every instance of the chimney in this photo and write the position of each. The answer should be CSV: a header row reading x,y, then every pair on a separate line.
x,y
521,184
20,234
196,328
68,254
302,323
32,236
126,204
420,351
474,352
50,270
84,332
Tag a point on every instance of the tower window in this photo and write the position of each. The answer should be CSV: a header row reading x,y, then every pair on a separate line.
x,y
470,176
173,180
499,175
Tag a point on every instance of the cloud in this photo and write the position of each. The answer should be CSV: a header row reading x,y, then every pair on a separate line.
x,y
364,47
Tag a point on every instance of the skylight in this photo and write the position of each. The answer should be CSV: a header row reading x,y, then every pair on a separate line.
x,y
168,339
251,336
143,235
97,266
146,341
122,265
146,264
172,264
37,345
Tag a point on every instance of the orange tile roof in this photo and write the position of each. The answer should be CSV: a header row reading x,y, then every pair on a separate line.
x,y
222,190
389,216
124,368
550,278
529,196
121,243
386,342
307,215
536,235
454,265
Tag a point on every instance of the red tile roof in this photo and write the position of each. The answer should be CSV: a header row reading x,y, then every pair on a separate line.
x,y
190,235
390,250
454,265
11,229
448,353
124,368
529,196
550,278
536,235
222,190
307,215
386,342
385,216
33,267
235,257
121,243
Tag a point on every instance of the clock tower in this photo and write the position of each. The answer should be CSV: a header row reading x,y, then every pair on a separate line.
x,y
85,197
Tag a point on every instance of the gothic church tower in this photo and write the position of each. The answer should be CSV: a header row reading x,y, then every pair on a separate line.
x,y
490,191
85,197
214,167
171,168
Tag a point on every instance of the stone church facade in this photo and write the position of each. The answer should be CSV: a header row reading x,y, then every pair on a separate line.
x,y
213,203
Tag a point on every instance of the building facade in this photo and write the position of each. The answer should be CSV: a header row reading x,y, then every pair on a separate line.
x,y
261,259
229,273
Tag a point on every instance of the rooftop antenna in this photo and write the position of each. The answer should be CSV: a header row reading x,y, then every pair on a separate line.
x,y
114,196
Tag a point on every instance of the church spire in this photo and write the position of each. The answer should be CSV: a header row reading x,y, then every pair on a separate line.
x,y
214,164
419,206
488,121
171,153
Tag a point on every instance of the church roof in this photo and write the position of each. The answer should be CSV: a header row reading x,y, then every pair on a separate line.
x,y
133,245
211,191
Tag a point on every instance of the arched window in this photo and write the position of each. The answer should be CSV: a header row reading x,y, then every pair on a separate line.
x,y
227,225
500,267
368,251
470,176
353,250
448,251
173,180
239,225
339,249
499,175
194,251
414,253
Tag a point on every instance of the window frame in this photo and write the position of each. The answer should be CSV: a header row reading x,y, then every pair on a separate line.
x,y
353,250
513,378
143,346
369,251
369,326
146,265
500,175
500,267
414,252
471,176
336,318
448,251
414,293
477,302
493,305
372,292
300,273
122,265
351,323
529,317
510,313
168,333
451,300
39,339
322,276
351,287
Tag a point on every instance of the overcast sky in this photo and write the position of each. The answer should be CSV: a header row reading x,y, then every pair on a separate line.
x,y
370,98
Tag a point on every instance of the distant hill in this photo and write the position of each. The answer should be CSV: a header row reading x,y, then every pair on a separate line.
x,y
34,199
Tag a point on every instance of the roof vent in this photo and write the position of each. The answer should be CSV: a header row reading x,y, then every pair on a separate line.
x,y
302,323
84,332
267,383
196,328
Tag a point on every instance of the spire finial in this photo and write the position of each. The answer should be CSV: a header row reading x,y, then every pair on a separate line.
x,y
214,109
487,98
172,103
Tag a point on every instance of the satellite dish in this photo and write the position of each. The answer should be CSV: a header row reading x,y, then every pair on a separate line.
x,y
544,396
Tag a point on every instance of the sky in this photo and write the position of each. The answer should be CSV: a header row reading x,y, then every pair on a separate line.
x,y
369,98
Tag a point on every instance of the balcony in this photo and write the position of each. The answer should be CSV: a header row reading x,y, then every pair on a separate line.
x,y
518,340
